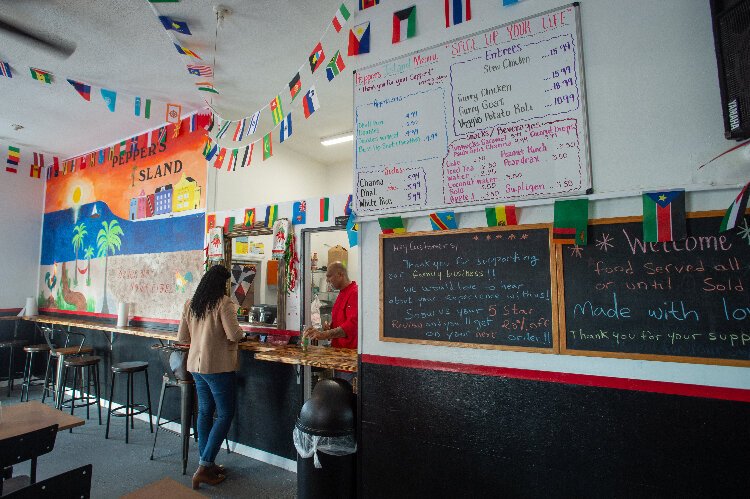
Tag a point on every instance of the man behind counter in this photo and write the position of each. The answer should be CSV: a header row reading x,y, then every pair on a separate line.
x,y
342,331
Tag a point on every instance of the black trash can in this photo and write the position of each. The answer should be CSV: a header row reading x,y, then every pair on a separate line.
x,y
326,443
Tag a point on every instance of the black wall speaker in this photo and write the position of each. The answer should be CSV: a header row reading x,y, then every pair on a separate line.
x,y
731,23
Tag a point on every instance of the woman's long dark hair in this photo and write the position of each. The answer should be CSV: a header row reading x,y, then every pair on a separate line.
x,y
209,291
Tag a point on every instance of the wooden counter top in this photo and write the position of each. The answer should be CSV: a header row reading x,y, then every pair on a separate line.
x,y
342,359
256,346
108,328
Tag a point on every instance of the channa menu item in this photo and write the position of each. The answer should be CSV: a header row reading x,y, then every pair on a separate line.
x,y
685,300
484,288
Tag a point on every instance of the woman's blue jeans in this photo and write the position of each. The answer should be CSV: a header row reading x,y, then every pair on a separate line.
x,y
216,392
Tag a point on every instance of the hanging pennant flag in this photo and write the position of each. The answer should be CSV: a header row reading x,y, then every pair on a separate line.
x,y
206,147
404,24
184,51
228,224
162,135
174,112
82,163
267,146
366,4
348,205
249,217
324,207
211,123
35,171
210,222
41,75
276,112
295,85
146,109
134,145
82,89
571,222
457,11
14,157
178,26
212,152
272,213
110,98
123,146
193,123
299,213
509,2
285,130
220,158
443,220
200,70
5,69
316,57
206,86
335,66
223,129
247,156
392,225
664,216
342,15
239,130
56,165
253,124
101,156
501,215
352,230
736,210
359,39
235,152
310,102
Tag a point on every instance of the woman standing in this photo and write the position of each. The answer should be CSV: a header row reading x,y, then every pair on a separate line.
x,y
209,324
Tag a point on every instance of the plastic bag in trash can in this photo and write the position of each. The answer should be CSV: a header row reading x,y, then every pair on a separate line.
x,y
308,445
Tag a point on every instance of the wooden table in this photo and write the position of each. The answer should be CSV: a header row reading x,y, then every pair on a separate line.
x,y
342,359
29,416
107,328
166,488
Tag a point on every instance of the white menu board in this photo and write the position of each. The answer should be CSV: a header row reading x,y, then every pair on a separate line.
x,y
497,116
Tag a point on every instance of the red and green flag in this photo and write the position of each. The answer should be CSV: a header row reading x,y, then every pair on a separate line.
x,y
267,146
219,162
443,220
342,15
571,222
276,112
737,209
295,85
664,216
41,75
404,24
228,224
325,204
391,225
501,215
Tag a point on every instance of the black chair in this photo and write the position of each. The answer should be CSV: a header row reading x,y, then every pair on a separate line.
x,y
130,408
59,354
26,447
85,399
11,346
74,483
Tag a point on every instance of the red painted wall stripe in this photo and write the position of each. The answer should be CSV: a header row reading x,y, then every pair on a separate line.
x,y
665,387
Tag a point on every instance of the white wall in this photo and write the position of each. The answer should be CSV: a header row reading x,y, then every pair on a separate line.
x,y
654,117
22,208
340,177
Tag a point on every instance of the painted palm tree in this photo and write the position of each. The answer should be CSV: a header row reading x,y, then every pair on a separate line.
x,y
108,241
79,231
87,255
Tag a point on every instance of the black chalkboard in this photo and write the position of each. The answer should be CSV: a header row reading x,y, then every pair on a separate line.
x,y
483,288
685,301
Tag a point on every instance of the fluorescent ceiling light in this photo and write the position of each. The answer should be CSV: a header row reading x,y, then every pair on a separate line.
x,y
337,139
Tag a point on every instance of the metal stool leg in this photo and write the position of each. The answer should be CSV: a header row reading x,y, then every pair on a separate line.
x,y
60,386
186,417
10,370
131,378
98,400
47,372
148,396
26,376
128,402
109,411
158,414
88,388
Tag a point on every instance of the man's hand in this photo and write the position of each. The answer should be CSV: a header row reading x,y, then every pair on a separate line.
x,y
314,334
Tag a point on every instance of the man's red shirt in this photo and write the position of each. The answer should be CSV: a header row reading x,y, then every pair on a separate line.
x,y
345,314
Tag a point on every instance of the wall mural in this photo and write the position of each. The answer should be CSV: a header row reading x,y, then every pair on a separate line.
x,y
129,229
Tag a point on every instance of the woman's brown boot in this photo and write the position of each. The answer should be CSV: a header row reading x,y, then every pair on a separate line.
x,y
205,474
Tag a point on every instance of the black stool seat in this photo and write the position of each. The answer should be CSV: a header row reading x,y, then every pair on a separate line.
x,y
12,343
88,360
71,351
134,366
42,347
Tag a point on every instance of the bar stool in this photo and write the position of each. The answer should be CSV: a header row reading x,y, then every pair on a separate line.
x,y
58,355
130,408
78,364
11,346
29,379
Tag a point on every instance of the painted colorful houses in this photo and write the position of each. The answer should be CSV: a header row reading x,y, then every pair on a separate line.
x,y
184,196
